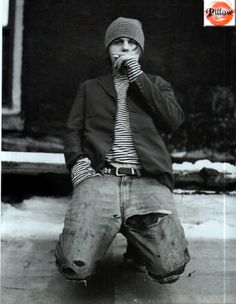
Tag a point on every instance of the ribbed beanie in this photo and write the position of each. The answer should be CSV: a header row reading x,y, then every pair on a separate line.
x,y
125,27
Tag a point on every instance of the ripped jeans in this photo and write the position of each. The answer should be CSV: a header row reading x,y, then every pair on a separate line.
x,y
140,208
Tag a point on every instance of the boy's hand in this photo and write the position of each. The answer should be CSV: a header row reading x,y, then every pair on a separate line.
x,y
128,62
122,58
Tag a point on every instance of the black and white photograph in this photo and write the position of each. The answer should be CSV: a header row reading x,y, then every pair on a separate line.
x,y
118,172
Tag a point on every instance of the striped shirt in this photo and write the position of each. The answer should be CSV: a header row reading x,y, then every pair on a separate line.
x,y
123,149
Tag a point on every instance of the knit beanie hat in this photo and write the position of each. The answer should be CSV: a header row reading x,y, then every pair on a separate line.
x,y
125,27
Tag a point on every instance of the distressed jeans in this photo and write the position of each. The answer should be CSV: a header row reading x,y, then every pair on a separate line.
x,y
141,208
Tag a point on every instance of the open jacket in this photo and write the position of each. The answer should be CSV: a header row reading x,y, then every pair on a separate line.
x,y
152,108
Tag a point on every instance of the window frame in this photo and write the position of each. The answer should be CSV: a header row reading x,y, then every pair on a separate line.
x,y
12,115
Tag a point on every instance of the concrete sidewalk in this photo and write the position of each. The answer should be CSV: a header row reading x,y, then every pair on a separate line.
x,y
30,231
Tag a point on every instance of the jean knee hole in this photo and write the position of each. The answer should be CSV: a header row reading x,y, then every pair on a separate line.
x,y
68,270
79,263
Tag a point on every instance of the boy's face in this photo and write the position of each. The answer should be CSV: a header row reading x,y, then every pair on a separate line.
x,y
125,47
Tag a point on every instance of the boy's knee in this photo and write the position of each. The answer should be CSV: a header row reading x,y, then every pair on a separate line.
x,y
161,273
162,242
168,278
78,271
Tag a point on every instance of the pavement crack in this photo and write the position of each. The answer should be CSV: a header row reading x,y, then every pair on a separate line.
x,y
17,288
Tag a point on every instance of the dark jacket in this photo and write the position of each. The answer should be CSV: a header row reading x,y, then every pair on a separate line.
x,y
152,108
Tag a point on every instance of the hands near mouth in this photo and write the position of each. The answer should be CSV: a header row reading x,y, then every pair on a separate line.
x,y
127,63
121,58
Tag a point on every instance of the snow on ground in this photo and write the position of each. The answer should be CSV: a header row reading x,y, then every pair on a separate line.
x,y
58,158
37,217
209,216
200,164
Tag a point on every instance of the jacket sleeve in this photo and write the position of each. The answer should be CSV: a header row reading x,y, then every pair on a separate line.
x,y
73,145
159,98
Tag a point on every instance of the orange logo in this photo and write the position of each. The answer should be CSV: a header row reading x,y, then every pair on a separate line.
x,y
219,13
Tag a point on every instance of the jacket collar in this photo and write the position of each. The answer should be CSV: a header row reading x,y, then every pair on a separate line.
x,y
107,83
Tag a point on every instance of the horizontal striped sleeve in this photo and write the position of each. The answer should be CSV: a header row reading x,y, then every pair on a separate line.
x,y
82,170
133,69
